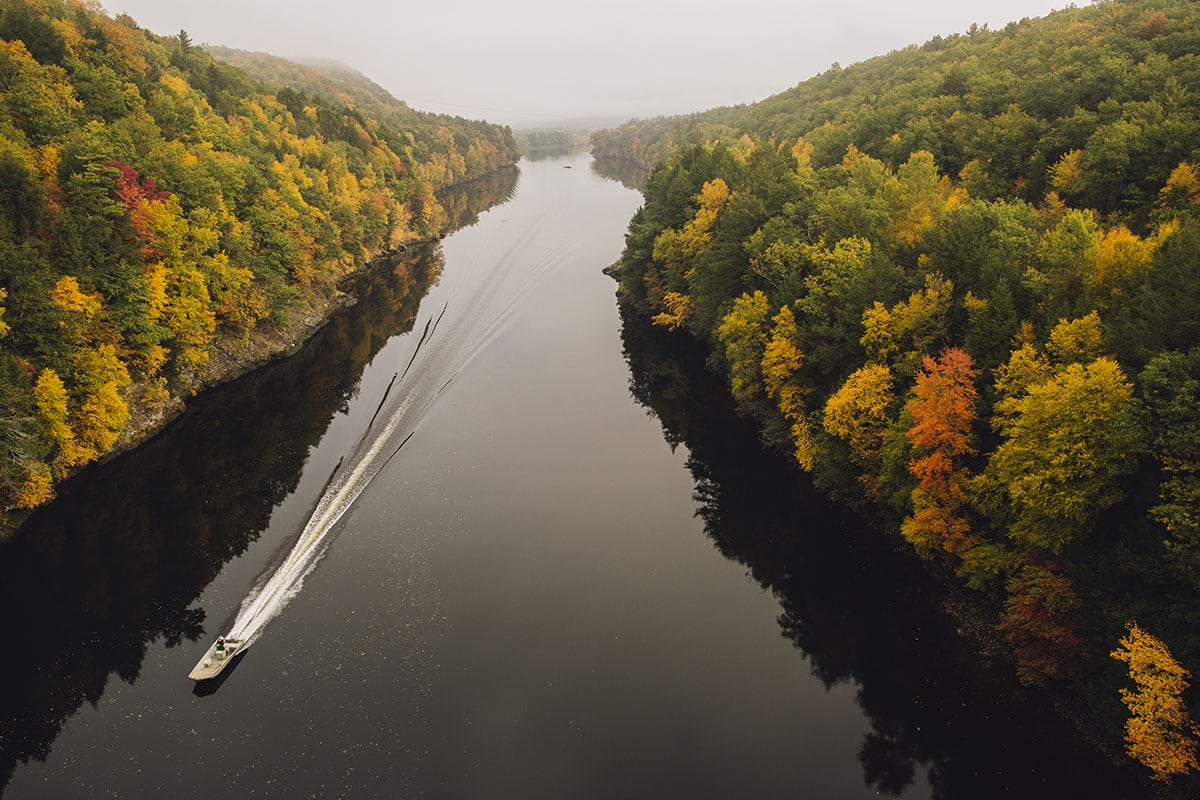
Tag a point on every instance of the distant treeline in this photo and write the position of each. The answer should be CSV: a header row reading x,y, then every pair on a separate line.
x,y
961,284
546,138
155,201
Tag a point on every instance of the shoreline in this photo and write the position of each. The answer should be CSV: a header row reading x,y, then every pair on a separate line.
x,y
232,357
235,355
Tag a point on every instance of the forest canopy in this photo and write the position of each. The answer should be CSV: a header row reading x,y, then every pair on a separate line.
x,y
960,283
155,201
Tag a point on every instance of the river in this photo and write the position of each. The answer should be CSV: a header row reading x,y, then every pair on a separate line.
x,y
544,559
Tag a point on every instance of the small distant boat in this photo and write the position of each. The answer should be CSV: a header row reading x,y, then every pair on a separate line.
x,y
218,657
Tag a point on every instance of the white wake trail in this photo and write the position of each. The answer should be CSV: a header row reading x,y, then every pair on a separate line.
x,y
444,349
260,607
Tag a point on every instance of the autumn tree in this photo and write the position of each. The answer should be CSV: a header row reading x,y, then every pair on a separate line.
x,y
920,197
781,362
905,333
1076,341
858,413
743,333
1159,732
1069,433
1038,622
942,407
677,310
677,252
1181,193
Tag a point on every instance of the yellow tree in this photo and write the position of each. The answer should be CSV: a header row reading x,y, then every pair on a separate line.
x,y
235,298
905,333
743,333
177,286
1070,431
781,361
1181,193
1065,446
857,413
85,418
1066,176
102,412
1159,733
920,198
676,251
1076,341
37,488
697,234
678,309
50,400
1121,255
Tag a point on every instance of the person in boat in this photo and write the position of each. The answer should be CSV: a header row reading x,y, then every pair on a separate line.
x,y
220,642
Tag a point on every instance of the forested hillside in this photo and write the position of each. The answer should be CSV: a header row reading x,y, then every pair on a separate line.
x,y
156,203
444,150
961,284
1092,103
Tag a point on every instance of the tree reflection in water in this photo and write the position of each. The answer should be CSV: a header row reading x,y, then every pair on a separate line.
x,y
624,172
860,611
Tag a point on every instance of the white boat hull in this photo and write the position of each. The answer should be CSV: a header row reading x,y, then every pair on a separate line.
x,y
216,658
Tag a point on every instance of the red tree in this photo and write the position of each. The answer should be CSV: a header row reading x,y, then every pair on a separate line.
x,y
1037,622
130,189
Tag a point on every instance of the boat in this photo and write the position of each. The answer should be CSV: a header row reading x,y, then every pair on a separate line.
x,y
217,658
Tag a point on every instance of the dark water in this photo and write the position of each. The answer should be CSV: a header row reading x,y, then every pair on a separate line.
x,y
570,571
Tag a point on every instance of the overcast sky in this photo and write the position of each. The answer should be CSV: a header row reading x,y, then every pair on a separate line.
x,y
534,62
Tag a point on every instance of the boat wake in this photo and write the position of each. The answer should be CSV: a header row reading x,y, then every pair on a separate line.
x,y
478,298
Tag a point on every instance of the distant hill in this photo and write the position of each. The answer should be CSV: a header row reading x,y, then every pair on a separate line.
x,y
333,81
433,135
1115,82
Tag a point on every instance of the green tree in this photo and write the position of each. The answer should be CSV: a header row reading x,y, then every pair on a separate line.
x,y
1066,441
38,99
844,281
1170,386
